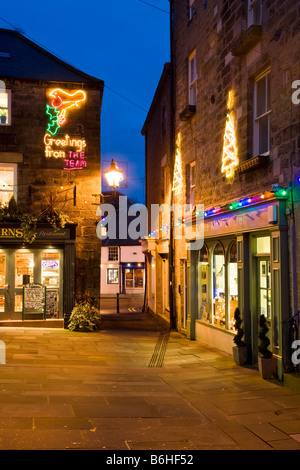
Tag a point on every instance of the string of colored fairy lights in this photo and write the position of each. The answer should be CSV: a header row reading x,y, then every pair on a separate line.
x,y
278,192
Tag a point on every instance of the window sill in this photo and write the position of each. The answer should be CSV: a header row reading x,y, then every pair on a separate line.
x,y
253,163
247,40
210,325
187,113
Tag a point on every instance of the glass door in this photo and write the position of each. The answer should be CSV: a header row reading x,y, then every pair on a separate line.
x,y
264,288
3,286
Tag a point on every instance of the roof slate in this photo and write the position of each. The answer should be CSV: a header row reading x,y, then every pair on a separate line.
x,y
30,61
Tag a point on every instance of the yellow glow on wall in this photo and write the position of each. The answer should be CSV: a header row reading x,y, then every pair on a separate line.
x,y
178,176
230,155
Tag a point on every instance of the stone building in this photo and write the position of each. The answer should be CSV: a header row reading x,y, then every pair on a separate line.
x,y
157,131
236,151
50,164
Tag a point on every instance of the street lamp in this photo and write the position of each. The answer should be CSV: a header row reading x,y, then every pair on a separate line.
x,y
114,176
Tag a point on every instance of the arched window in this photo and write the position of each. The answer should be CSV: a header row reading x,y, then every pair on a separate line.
x,y
203,284
232,284
218,284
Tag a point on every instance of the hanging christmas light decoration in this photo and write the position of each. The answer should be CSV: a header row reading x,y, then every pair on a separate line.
x,y
178,177
230,156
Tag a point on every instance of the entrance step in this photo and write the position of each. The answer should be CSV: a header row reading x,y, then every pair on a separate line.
x,y
51,323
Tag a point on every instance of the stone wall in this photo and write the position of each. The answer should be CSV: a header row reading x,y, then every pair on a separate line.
x,y
41,178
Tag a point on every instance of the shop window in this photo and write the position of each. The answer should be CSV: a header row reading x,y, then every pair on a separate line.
x,y
2,270
8,182
192,77
112,276
24,266
254,12
138,278
5,111
128,278
232,284
203,284
2,303
113,253
262,111
50,269
218,281
18,303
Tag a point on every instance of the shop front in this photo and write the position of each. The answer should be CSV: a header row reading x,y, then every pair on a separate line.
x,y
48,264
243,264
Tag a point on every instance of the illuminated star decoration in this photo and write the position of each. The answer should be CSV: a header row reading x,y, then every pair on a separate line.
x,y
61,102
230,155
177,177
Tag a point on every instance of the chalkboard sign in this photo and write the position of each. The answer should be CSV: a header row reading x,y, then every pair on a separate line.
x,y
51,303
34,296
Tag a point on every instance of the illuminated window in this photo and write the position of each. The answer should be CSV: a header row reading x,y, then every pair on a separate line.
x,y
113,253
8,182
233,284
112,276
203,284
5,111
24,266
192,9
262,111
2,270
254,12
218,280
50,269
192,79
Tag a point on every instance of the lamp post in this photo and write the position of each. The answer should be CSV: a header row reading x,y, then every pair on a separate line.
x,y
113,176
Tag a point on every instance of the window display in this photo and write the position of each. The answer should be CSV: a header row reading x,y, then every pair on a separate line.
x,y
113,276
233,285
203,284
24,266
50,269
218,274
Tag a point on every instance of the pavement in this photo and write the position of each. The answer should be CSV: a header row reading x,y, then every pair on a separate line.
x,y
134,386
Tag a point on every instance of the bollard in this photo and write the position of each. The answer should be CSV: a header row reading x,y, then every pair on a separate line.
x,y
2,353
118,304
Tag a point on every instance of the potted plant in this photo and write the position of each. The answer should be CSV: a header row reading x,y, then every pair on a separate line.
x,y
84,317
3,116
240,350
265,359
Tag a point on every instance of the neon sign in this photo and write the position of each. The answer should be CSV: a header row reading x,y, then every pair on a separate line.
x,y
61,102
230,155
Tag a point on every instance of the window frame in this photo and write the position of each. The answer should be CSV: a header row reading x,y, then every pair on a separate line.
x,y
192,79
8,92
108,280
257,119
252,4
115,256
192,9
14,167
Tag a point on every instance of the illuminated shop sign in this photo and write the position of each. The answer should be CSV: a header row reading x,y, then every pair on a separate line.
x,y
70,149
50,264
6,232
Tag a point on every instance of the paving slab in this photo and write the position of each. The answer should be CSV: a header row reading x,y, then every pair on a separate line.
x,y
118,389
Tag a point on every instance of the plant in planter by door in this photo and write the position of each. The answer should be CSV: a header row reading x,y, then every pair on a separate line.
x,y
240,350
84,317
265,360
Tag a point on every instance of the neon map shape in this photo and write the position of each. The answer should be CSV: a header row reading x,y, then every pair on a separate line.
x,y
61,102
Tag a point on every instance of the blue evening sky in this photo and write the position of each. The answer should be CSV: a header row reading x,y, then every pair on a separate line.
x,y
123,42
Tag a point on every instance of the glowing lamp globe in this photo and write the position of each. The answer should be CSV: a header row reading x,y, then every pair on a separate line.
x,y
114,176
